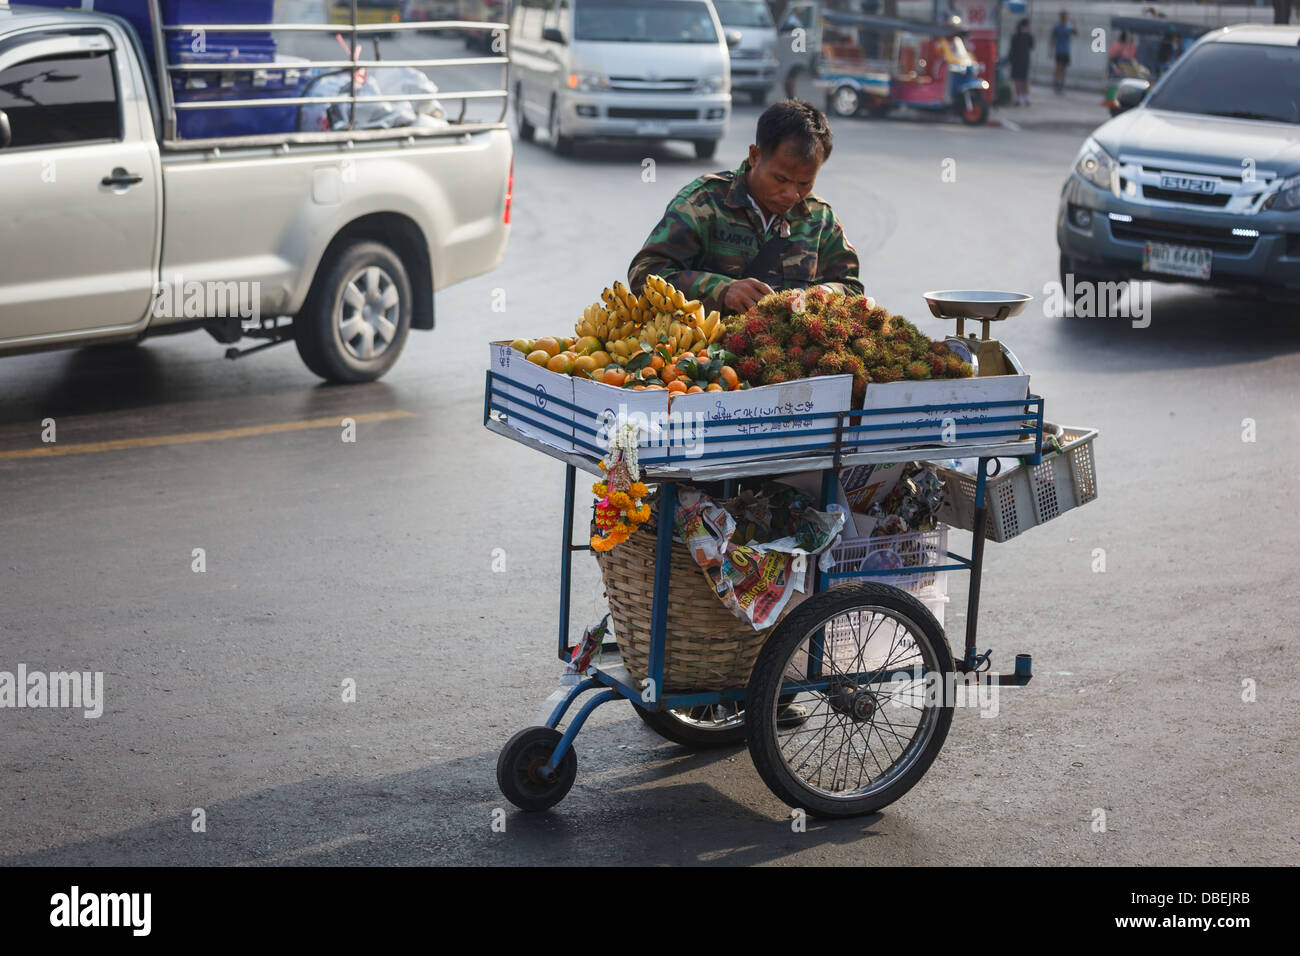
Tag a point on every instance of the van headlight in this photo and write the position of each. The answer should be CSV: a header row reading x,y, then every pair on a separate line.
x,y
718,83
1097,166
588,82
1286,198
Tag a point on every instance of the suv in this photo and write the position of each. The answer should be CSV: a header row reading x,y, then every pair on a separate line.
x,y
1200,179
648,69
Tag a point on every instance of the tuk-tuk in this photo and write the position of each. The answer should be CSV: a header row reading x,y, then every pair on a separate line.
x,y
1154,43
870,64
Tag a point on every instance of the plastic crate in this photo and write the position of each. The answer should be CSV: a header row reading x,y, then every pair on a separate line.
x,y
285,78
1028,495
912,553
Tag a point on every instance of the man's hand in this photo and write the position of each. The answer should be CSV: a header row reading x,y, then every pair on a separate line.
x,y
743,293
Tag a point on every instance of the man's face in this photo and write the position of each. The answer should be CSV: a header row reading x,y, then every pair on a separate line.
x,y
780,180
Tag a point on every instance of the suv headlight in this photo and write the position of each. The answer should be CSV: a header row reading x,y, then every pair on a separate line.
x,y
718,83
588,82
1097,166
1286,198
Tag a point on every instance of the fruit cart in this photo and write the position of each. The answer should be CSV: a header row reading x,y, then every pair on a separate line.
x,y
856,654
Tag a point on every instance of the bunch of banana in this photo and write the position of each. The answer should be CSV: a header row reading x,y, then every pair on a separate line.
x,y
666,300
623,350
595,322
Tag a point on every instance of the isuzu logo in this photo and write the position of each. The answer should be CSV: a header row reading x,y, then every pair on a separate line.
x,y
1187,184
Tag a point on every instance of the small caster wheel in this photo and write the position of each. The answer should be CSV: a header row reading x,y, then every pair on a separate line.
x,y
519,769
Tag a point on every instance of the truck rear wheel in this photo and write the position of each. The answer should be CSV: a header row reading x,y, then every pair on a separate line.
x,y
356,319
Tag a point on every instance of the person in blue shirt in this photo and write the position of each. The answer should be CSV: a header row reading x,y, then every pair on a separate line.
x,y
1062,34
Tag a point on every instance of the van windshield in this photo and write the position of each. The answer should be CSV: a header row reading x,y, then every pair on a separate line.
x,y
612,21
743,13
1241,80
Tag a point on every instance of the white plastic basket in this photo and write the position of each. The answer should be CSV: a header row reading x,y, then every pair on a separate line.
x,y
916,549
1026,496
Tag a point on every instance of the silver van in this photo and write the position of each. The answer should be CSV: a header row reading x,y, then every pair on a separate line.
x,y
649,69
753,60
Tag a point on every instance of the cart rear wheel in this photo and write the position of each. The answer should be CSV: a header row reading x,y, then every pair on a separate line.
x,y
519,769
867,740
700,728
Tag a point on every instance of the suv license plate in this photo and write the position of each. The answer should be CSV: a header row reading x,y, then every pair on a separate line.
x,y
652,129
1191,262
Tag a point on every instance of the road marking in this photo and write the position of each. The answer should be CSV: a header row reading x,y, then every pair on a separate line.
x,y
191,438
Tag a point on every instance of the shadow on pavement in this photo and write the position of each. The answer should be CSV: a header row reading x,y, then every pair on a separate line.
x,y
445,814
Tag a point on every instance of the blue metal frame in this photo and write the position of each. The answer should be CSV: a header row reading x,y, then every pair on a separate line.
x,y
846,434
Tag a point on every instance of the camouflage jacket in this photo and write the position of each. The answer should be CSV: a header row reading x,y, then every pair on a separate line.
x,y
711,233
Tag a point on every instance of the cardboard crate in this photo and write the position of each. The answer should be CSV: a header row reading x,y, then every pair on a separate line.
x,y
944,393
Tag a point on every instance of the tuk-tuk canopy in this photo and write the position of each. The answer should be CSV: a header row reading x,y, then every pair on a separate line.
x,y
865,21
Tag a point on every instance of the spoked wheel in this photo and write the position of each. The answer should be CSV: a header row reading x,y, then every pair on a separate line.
x,y
872,666
700,728
519,769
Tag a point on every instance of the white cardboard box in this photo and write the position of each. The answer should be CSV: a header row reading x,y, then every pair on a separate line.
x,y
944,392
534,396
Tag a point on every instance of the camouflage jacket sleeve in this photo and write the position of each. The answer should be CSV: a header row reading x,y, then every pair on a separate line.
x,y
675,245
837,261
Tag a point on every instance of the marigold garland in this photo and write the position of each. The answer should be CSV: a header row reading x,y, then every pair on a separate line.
x,y
619,510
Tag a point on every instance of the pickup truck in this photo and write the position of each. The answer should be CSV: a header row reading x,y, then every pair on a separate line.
x,y
114,227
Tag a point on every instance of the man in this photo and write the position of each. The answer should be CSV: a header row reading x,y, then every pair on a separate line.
x,y
1062,34
730,238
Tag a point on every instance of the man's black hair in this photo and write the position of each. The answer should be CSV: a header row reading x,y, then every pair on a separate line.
x,y
801,124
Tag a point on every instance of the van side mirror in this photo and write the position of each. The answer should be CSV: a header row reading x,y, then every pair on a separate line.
x,y
733,39
6,133
553,35
1131,92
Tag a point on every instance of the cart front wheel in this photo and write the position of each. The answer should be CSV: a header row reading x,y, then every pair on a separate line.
x,y
872,667
519,769
699,728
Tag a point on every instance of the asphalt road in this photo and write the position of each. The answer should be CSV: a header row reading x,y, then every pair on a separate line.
x,y
373,562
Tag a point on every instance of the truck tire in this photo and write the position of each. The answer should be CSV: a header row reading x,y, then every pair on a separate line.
x,y
705,148
356,319
527,131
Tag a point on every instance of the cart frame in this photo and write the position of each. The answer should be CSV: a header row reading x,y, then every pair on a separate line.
x,y
1014,431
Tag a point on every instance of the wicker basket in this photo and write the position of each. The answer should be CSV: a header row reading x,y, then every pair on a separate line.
x,y
707,648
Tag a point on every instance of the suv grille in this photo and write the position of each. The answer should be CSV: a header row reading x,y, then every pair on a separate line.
x,y
1192,199
1209,237
651,113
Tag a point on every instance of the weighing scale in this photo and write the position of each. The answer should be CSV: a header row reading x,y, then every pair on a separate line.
x,y
986,355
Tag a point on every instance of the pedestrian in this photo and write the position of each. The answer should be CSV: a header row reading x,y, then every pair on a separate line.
x,y
1062,35
1022,44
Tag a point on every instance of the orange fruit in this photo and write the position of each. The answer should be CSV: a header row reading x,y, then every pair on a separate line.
x,y
638,388
602,358
702,353
523,346
539,357
548,345
713,387
693,389
649,375
584,364
560,363
668,373
614,375
656,361
677,387
729,377
587,344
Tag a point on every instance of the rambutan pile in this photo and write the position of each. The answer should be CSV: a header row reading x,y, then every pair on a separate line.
x,y
801,333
